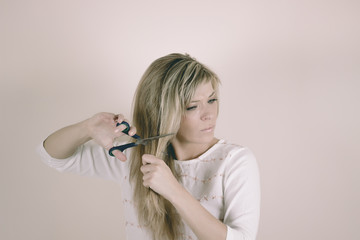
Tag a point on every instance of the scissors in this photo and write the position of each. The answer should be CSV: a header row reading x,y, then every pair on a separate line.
x,y
139,140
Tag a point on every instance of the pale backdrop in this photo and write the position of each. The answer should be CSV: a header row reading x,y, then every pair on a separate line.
x,y
290,91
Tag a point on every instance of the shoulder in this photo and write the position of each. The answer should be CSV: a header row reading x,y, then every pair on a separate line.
x,y
237,158
232,151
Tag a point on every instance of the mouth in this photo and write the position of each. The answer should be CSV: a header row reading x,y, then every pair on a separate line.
x,y
208,129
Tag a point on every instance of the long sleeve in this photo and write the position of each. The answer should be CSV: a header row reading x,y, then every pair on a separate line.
x,y
241,196
89,159
92,160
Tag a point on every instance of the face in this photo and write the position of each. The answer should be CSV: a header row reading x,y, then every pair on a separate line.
x,y
198,123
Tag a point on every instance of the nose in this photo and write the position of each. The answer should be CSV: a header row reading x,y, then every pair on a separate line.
x,y
209,112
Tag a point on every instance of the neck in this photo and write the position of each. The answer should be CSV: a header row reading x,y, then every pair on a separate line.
x,y
186,151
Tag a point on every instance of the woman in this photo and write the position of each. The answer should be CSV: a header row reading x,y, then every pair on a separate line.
x,y
186,186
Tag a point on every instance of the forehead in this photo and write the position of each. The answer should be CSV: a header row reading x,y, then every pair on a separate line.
x,y
204,90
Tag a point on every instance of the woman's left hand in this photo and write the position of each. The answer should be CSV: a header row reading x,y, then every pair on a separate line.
x,y
158,176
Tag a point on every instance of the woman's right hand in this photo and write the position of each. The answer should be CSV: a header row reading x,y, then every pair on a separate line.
x,y
103,130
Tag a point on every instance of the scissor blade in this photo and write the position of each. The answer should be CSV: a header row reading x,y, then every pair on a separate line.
x,y
146,140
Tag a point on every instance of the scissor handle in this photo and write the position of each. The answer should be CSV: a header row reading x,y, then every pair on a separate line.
x,y
126,130
121,148
125,146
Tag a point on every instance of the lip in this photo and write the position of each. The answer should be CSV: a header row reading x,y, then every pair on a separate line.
x,y
208,129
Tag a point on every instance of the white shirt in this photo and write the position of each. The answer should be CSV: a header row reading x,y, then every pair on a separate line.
x,y
225,179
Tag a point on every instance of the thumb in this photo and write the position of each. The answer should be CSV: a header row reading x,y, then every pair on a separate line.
x,y
119,155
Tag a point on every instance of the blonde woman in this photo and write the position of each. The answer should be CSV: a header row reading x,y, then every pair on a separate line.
x,y
190,185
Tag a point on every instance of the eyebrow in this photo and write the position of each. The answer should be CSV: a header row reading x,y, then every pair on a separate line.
x,y
211,95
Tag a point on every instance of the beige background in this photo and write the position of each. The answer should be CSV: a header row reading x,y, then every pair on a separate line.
x,y
290,91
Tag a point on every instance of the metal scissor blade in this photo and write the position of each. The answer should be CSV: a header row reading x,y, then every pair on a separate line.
x,y
146,140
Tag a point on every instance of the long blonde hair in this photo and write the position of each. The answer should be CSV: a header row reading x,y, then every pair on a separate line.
x,y
164,91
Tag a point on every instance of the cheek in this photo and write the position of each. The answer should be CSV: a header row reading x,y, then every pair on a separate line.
x,y
215,109
187,126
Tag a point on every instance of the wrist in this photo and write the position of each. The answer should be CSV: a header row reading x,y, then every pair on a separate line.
x,y
84,130
178,193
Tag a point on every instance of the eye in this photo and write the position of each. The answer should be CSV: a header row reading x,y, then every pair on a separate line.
x,y
212,100
191,108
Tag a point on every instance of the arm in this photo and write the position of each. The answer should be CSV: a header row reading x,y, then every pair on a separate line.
x,y
203,224
63,143
159,178
241,195
101,127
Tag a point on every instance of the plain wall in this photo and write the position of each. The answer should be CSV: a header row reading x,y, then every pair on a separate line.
x,y
290,92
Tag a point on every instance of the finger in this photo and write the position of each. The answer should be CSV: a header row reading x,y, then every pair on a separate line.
x,y
146,184
148,159
121,127
146,177
124,122
121,121
119,130
132,131
119,155
147,181
147,168
119,118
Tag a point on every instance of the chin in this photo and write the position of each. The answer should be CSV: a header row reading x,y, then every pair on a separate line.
x,y
205,139
201,138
